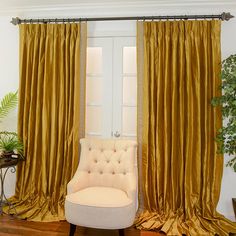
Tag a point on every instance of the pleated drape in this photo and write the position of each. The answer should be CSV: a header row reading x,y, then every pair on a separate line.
x,y
179,67
51,116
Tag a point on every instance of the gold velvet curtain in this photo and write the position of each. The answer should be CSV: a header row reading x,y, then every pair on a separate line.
x,y
179,68
51,116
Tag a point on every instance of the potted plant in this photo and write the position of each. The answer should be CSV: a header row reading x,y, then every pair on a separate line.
x,y
10,145
226,136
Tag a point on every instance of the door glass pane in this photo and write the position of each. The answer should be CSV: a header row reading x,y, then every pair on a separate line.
x,y
129,121
94,60
129,60
93,119
94,90
130,90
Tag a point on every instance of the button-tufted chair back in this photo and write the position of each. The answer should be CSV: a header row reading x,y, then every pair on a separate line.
x,y
108,163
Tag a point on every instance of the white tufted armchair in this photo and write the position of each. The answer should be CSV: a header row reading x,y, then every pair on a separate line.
x,y
103,192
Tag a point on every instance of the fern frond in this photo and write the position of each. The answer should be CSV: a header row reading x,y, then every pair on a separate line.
x,y
8,103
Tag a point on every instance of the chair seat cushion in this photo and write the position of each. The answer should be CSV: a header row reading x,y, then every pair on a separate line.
x,y
100,197
100,207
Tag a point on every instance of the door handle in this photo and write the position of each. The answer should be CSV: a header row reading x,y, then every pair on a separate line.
x,y
117,134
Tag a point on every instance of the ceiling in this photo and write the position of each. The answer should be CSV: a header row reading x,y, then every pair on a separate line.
x,y
115,7
7,4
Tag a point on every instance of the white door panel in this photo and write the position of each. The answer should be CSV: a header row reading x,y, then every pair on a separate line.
x,y
111,87
124,66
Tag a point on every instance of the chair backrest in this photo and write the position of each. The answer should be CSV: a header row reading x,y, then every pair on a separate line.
x,y
108,162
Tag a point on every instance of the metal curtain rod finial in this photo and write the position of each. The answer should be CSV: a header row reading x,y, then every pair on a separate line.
x,y
224,16
16,21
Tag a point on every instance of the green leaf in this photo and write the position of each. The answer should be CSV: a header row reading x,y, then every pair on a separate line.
x,y
226,136
7,104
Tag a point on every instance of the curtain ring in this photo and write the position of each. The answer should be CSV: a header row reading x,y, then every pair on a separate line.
x,y
185,17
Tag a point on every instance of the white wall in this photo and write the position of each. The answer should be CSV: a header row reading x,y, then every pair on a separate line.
x,y
8,82
9,62
8,56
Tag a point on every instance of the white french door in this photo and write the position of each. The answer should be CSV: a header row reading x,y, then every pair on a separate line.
x,y
111,90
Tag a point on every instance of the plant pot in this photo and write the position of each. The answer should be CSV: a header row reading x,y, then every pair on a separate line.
x,y
7,154
234,205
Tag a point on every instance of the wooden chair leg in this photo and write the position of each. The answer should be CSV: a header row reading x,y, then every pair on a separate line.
x,y
72,229
121,232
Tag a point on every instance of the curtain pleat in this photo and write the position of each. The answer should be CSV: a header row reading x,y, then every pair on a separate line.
x,y
51,116
181,170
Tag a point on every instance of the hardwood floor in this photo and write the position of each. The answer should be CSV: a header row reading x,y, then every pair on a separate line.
x,y
13,226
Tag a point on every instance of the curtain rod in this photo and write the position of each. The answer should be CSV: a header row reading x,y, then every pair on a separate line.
x,y
224,16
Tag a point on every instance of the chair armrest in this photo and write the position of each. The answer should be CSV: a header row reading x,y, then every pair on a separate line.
x,y
131,187
132,193
78,182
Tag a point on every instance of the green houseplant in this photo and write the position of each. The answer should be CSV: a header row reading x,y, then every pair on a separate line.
x,y
10,145
226,137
